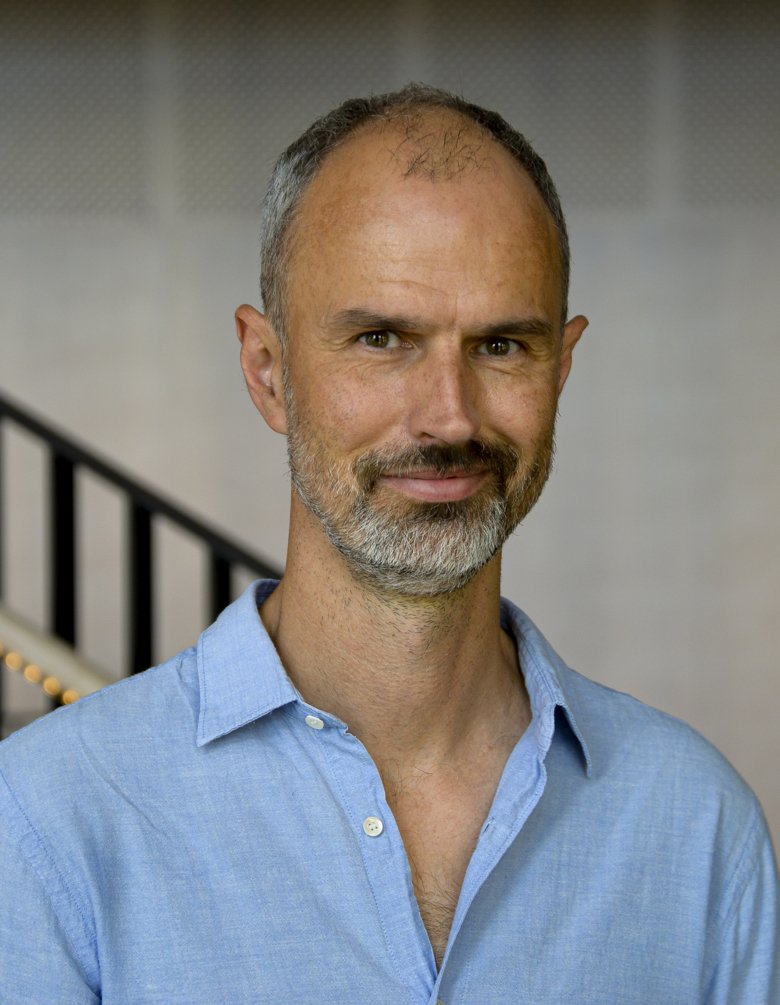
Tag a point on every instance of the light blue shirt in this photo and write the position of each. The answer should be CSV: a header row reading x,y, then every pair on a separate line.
x,y
199,835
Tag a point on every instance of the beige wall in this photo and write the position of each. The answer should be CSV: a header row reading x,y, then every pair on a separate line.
x,y
136,140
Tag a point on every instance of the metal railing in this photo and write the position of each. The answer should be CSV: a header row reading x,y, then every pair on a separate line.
x,y
143,506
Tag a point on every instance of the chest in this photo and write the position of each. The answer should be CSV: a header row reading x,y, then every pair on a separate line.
x,y
440,828
262,886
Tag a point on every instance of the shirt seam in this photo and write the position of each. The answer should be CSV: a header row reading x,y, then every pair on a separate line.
x,y
26,827
744,869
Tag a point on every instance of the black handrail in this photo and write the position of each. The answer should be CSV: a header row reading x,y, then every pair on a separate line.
x,y
143,505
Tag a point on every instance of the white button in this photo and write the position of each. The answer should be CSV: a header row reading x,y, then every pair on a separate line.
x,y
314,721
373,826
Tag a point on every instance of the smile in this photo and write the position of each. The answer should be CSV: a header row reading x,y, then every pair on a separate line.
x,y
431,486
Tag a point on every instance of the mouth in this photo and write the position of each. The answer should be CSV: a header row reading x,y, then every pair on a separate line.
x,y
435,486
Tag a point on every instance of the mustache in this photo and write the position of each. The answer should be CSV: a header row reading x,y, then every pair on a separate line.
x,y
444,459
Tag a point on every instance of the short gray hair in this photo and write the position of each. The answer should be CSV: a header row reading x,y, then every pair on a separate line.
x,y
300,162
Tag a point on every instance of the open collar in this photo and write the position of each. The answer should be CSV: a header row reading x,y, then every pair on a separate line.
x,y
241,677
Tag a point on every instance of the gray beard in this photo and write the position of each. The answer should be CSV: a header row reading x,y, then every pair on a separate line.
x,y
407,547
425,554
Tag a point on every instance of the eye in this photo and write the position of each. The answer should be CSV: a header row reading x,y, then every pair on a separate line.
x,y
382,339
500,346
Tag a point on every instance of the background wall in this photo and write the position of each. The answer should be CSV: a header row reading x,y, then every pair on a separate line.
x,y
135,142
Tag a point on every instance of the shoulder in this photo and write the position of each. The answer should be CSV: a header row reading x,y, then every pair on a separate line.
x,y
621,728
129,722
668,780
653,777
623,736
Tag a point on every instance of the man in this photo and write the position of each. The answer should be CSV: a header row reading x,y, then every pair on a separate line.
x,y
375,781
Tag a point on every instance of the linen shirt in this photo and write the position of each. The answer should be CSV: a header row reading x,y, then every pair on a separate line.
x,y
200,835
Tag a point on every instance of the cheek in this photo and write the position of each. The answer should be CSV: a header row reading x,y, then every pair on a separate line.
x,y
522,412
344,416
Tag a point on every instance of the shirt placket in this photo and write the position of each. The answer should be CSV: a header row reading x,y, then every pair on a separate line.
x,y
359,785
519,791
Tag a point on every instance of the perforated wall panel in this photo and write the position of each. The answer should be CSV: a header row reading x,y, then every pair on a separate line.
x,y
96,97
731,102
73,107
252,76
575,78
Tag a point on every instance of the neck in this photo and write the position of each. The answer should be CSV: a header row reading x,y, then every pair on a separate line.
x,y
413,677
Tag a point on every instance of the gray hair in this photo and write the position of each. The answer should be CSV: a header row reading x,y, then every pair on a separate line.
x,y
300,162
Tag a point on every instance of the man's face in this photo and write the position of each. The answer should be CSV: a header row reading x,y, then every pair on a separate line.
x,y
424,358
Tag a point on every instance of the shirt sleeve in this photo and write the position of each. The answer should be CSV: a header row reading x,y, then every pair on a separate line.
x,y
747,970
38,955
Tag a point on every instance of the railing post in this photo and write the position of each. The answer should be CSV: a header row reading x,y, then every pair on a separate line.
x,y
2,501
62,524
2,556
219,583
143,506
139,622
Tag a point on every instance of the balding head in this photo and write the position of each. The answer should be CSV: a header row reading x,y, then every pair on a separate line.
x,y
430,133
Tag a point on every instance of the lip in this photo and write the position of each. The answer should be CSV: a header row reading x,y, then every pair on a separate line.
x,y
428,486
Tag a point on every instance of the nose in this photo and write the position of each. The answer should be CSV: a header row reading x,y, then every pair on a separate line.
x,y
444,398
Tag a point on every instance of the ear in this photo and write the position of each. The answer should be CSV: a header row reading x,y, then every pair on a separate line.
x,y
572,332
261,361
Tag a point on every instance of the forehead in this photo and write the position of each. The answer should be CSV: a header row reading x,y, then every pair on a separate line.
x,y
433,199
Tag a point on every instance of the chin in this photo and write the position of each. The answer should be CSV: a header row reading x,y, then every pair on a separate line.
x,y
436,574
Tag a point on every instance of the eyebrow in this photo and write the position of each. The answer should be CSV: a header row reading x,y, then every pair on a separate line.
x,y
360,317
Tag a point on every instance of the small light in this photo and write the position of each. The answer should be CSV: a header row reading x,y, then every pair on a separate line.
x,y
69,696
33,673
52,687
14,661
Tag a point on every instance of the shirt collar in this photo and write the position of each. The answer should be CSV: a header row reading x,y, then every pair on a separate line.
x,y
241,677
548,681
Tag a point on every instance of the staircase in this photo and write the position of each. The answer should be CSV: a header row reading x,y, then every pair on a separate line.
x,y
47,656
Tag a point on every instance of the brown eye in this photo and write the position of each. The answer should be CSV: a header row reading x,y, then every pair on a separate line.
x,y
499,346
379,339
